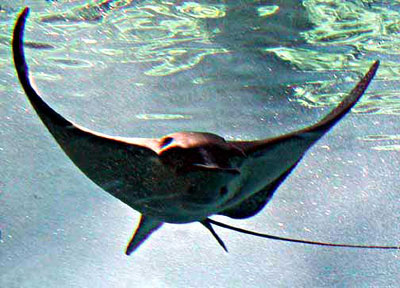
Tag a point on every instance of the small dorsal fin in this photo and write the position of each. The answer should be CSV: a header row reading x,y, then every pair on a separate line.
x,y
146,226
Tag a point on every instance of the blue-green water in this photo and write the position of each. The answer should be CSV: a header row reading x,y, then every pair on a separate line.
x,y
241,69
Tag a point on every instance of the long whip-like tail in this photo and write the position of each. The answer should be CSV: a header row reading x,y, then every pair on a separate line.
x,y
272,237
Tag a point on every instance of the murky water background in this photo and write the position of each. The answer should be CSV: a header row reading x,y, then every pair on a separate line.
x,y
241,69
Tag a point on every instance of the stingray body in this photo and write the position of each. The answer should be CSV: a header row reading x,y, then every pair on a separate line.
x,y
186,176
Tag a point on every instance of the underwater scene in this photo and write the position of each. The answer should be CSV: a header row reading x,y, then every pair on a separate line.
x,y
243,70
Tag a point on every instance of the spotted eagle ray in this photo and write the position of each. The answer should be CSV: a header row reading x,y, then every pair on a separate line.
x,y
185,176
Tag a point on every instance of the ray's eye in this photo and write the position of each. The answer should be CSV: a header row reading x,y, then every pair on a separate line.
x,y
166,141
223,191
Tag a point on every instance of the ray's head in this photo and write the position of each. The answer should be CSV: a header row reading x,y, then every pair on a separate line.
x,y
184,150
191,140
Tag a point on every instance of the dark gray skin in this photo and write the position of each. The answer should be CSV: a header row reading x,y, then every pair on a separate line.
x,y
186,176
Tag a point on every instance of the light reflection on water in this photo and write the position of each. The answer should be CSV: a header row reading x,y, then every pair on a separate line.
x,y
163,33
384,142
366,28
178,36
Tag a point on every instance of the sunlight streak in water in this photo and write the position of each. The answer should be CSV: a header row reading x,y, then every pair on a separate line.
x,y
154,116
197,10
267,10
393,142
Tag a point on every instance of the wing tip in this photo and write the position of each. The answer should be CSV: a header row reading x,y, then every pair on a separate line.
x,y
368,76
364,82
347,103
20,24
17,40
376,64
25,12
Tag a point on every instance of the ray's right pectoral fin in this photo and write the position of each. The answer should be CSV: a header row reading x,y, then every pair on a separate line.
x,y
146,227
303,139
317,130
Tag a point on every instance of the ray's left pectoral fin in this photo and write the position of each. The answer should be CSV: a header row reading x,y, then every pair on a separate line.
x,y
145,228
